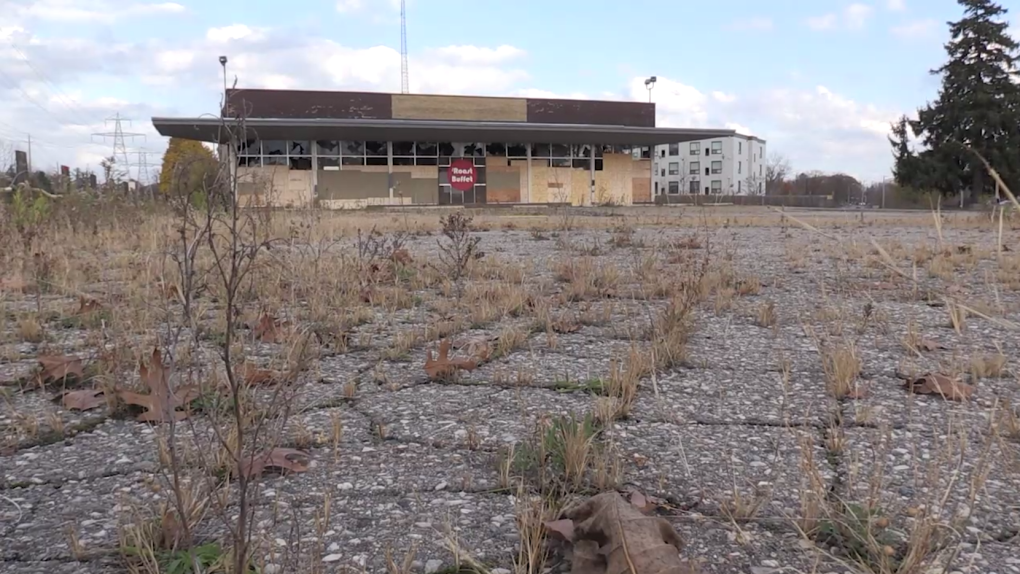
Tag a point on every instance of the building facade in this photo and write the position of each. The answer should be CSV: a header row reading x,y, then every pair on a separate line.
x,y
353,149
726,165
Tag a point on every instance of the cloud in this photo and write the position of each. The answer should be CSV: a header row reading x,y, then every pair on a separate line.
x,y
755,23
915,29
95,11
479,55
349,5
857,15
817,129
896,5
825,22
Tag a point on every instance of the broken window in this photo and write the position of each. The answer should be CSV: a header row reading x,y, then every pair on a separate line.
x,y
328,148
426,160
376,149
541,150
517,150
403,161
581,163
560,150
300,148
495,150
249,147
445,149
353,148
598,164
274,147
426,149
560,162
403,149
352,160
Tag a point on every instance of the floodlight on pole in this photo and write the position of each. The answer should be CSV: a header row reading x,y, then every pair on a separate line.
x,y
649,84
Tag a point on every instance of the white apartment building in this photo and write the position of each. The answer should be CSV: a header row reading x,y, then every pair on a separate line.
x,y
733,165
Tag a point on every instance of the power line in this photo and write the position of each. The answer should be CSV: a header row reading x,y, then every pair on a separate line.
x,y
59,95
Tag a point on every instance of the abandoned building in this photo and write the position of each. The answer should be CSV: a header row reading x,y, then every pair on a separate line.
x,y
354,149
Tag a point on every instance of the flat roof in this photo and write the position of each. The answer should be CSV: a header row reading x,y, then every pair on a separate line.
x,y
213,129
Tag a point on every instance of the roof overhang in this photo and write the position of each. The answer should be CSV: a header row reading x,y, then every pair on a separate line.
x,y
215,130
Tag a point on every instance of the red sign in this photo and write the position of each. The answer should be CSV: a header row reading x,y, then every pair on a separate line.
x,y
462,174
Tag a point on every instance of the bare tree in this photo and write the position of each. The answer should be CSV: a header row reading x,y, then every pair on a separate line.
x,y
777,169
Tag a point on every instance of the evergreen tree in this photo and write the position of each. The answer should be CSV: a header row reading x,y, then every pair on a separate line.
x,y
978,106
186,163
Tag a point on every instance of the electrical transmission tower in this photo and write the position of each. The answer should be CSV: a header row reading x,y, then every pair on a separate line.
x,y
120,153
404,83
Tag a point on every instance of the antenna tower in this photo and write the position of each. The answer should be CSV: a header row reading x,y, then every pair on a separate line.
x,y
120,153
405,87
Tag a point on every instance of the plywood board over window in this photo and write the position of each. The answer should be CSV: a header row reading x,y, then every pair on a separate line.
x,y
425,107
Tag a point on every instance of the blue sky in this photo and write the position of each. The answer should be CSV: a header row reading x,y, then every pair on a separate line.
x,y
819,80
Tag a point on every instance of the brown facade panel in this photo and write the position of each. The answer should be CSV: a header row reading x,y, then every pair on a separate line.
x,y
549,111
466,108
302,104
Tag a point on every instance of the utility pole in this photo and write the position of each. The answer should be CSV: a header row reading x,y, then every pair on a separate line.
x,y
29,152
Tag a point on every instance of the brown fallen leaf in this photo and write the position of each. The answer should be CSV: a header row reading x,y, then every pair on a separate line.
x,y
930,345
565,325
253,375
441,366
162,402
60,368
561,529
402,256
268,329
280,459
939,384
83,400
87,306
628,541
858,392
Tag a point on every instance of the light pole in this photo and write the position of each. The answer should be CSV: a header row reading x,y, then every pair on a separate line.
x,y
223,64
649,84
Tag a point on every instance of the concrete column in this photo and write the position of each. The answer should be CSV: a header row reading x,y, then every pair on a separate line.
x,y
389,167
528,147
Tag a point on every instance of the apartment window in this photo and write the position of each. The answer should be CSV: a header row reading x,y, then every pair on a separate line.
x,y
716,186
674,168
738,187
760,168
716,167
695,185
739,166
716,148
695,167
740,147
674,149
663,172
695,148
662,153
674,187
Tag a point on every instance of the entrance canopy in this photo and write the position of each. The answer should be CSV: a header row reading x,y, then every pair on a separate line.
x,y
215,130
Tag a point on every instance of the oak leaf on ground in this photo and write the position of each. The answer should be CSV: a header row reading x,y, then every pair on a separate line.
x,y
83,400
87,306
60,368
268,329
256,376
162,402
441,366
948,387
279,459
611,536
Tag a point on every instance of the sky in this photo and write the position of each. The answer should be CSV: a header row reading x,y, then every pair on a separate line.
x,y
820,80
